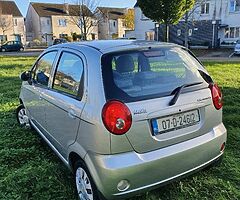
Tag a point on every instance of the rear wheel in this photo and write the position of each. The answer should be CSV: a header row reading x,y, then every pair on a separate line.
x,y
3,50
21,49
86,189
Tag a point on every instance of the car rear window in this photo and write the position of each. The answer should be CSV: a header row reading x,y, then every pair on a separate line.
x,y
145,74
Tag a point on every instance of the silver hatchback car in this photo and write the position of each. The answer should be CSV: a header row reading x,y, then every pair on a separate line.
x,y
124,116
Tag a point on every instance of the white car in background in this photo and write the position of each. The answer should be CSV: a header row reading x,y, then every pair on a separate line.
x,y
237,48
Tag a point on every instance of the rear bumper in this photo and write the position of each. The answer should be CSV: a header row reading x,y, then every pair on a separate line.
x,y
149,170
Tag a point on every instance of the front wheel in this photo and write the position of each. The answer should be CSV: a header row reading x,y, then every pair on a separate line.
x,y
22,117
85,186
21,49
3,50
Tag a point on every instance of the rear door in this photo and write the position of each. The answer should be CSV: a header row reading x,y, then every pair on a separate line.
x,y
64,100
147,81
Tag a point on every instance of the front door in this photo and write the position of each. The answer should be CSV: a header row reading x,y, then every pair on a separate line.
x,y
34,92
64,105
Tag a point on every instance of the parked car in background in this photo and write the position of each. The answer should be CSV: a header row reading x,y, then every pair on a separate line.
x,y
125,116
12,46
59,41
237,48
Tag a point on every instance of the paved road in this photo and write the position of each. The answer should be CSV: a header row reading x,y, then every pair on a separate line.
x,y
29,53
220,59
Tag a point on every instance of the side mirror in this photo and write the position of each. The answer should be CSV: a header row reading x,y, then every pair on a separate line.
x,y
25,76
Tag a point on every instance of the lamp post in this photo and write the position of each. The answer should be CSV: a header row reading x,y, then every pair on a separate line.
x,y
157,27
214,27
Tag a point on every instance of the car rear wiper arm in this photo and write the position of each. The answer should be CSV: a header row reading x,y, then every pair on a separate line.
x,y
178,91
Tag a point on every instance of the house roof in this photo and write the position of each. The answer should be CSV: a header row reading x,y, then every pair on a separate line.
x,y
136,5
10,8
113,13
49,9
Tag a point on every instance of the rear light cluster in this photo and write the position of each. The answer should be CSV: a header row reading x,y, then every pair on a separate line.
x,y
116,117
216,96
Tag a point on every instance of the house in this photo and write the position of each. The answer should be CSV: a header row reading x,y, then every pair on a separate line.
x,y
225,18
111,24
212,23
45,22
11,22
144,27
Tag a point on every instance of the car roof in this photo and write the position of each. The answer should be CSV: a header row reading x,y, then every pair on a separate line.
x,y
106,46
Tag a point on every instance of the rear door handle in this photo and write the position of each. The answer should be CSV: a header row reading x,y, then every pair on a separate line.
x,y
72,114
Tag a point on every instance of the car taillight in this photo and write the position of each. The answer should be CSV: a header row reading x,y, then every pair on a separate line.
x,y
116,117
216,96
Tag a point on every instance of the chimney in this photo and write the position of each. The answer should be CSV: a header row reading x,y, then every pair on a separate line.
x,y
66,8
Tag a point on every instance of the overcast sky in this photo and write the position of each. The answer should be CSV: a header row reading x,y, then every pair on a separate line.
x,y
23,4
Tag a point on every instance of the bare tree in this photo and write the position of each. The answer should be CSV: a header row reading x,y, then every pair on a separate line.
x,y
190,16
5,23
85,16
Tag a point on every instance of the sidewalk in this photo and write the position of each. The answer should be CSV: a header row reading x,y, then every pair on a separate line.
x,y
220,59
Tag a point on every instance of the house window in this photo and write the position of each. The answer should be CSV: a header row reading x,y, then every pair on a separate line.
x,y
62,22
190,32
149,36
205,8
114,24
15,22
237,33
3,38
179,32
48,22
232,32
226,33
234,5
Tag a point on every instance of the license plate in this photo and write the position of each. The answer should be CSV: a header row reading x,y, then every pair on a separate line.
x,y
175,122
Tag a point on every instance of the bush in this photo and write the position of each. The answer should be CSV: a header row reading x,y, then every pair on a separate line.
x,y
68,38
36,42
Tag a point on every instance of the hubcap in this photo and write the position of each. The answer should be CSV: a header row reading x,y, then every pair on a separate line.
x,y
3,50
23,118
83,184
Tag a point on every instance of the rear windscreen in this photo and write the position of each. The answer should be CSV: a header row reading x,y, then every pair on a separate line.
x,y
145,74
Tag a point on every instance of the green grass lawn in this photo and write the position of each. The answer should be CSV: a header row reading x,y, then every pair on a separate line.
x,y
30,170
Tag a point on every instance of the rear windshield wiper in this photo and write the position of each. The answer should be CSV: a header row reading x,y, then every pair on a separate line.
x,y
178,91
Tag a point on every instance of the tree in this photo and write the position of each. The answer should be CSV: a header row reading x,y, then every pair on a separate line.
x,y
5,23
84,16
129,19
165,11
190,14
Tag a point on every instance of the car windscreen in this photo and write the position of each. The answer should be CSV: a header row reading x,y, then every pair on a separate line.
x,y
153,73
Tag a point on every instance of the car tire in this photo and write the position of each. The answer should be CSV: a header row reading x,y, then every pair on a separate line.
x,y
22,117
85,185
21,49
4,50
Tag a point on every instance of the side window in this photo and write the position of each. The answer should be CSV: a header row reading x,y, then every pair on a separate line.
x,y
42,69
69,74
